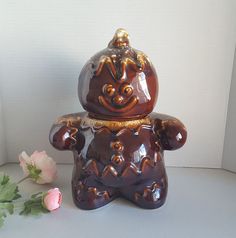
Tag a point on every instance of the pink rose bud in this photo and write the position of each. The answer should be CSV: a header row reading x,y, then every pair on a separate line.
x,y
52,199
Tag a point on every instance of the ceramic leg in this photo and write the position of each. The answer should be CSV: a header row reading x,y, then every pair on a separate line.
x,y
147,194
92,197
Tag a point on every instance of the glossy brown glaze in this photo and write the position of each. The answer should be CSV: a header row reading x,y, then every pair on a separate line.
x,y
119,82
118,145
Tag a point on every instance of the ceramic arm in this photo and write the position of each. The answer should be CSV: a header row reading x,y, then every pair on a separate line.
x,y
64,134
171,132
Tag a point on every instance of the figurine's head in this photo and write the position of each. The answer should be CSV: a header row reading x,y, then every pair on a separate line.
x,y
118,82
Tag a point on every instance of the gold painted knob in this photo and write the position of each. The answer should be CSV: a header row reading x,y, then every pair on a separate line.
x,y
120,39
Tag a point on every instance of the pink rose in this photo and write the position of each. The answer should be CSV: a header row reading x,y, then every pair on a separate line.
x,y
52,199
39,167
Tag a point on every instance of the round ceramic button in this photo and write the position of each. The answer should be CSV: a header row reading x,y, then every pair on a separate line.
x,y
117,146
117,159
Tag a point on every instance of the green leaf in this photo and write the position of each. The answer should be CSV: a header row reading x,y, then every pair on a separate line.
x,y
34,205
17,196
2,216
8,191
5,208
4,179
36,194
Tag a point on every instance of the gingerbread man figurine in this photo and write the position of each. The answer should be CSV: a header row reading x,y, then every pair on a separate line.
x,y
118,143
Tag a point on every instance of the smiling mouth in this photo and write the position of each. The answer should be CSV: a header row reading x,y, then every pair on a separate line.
x,y
124,107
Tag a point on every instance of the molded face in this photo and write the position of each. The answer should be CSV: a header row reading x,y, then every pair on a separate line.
x,y
118,82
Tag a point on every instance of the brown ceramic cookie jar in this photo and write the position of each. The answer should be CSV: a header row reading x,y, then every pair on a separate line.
x,y
118,143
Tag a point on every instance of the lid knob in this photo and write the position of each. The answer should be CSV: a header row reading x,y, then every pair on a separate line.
x,y
120,39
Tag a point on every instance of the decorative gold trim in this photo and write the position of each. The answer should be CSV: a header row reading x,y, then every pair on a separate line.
x,y
149,193
69,120
106,60
92,167
115,125
138,65
137,60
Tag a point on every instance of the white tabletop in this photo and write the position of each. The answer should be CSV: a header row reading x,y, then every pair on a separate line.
x,y
200,203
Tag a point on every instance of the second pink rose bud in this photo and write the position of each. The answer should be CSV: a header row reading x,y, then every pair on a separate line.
x,y
52,199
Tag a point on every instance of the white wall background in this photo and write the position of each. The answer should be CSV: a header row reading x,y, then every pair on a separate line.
x,y
45,43
2,138
3,157
229,155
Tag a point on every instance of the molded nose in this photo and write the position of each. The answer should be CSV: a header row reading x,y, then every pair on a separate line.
x,y
118,100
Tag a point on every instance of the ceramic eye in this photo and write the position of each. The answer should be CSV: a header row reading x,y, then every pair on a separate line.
x,y
126,90
108,90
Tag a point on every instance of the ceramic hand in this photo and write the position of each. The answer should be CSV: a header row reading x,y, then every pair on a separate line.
x,y
171,132
64,134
